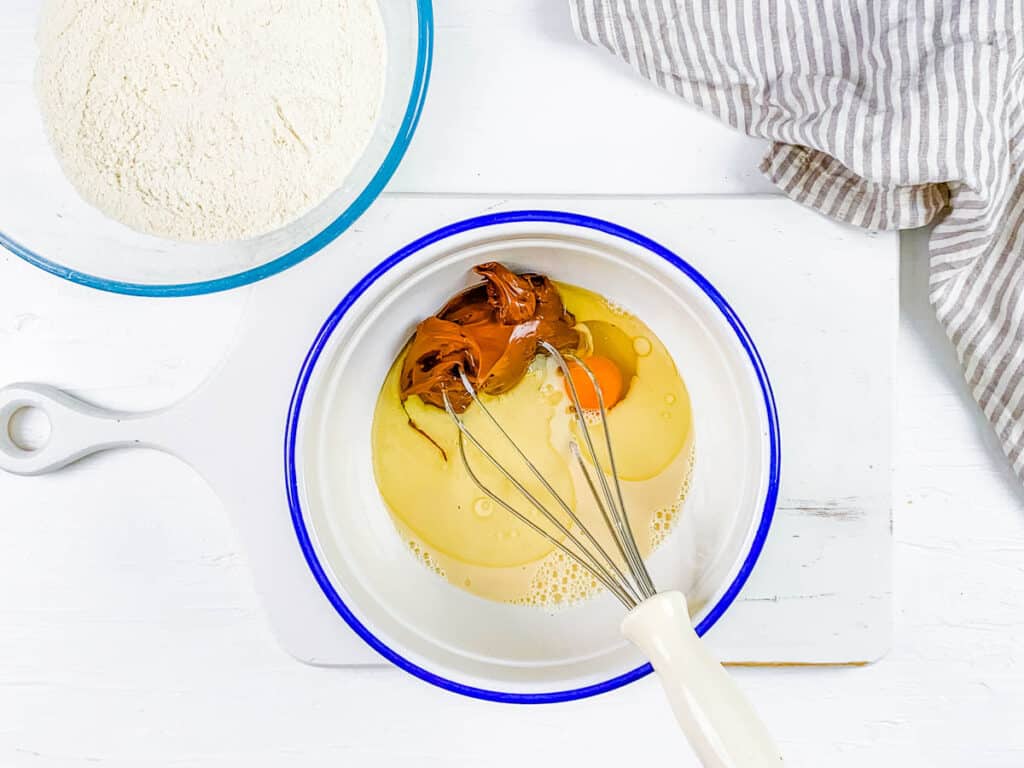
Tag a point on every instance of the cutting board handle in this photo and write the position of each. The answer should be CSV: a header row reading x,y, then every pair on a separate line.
x,y
77,429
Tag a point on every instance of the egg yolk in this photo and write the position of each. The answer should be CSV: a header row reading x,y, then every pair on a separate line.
x,y
609,379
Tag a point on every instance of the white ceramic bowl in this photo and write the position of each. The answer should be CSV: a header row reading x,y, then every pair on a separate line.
x,y
441,633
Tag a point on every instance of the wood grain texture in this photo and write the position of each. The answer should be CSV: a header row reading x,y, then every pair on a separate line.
x,y
132,636
130,633
516,103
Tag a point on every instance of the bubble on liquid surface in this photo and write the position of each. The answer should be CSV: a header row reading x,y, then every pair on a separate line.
x,y
642,346
483,507
424,557
560,583
552,392
663,520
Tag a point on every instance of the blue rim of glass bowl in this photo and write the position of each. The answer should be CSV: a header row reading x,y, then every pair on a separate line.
x,y
319,344
373,188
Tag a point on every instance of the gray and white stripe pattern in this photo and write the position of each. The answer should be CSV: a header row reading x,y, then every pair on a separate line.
x,y
885,114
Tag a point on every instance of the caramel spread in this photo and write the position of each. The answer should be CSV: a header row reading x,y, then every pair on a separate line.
x,y
491,332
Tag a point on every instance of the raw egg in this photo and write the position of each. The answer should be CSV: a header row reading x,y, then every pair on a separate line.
x,y
605,373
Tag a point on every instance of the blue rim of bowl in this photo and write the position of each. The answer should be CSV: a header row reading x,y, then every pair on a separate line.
x,y
373,188
319,344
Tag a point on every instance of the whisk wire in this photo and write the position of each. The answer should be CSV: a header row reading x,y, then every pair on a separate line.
x,y
622,532
630,589
609,521
584,557
614,568
596,571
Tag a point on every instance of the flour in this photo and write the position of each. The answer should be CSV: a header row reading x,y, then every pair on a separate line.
x,y
209,119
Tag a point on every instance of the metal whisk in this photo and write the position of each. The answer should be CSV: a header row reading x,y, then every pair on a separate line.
x,y
630,587
719,722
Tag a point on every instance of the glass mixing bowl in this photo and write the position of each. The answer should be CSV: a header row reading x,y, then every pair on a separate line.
x,y
44,220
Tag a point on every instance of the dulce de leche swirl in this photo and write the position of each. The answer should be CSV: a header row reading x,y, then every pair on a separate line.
x,y
490,331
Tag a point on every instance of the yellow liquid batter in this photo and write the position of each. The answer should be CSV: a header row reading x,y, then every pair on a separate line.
x,y
479,546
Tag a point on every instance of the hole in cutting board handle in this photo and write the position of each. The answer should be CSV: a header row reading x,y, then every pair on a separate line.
x,y
29,428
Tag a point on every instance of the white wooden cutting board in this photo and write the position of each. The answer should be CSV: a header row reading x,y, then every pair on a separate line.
x,y
820,300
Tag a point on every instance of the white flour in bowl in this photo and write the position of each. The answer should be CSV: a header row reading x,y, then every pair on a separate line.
x,y
209,119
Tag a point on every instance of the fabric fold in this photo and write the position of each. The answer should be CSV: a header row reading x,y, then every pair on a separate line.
x,y
884,115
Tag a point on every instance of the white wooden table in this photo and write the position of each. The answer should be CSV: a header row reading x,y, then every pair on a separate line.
x,y
129,634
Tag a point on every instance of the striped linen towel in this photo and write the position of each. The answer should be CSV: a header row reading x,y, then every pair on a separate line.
x,y
882,113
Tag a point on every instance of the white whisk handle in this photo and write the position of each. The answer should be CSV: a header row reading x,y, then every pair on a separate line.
x,y
719,722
